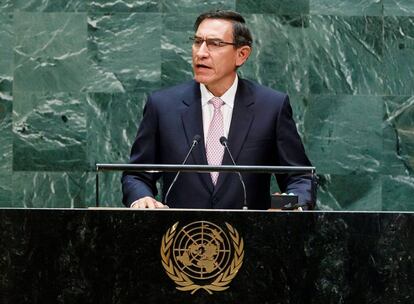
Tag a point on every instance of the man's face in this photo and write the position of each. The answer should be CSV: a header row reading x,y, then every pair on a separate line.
x,y
217,68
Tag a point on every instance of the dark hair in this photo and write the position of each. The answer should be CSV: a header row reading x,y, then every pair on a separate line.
x,y
241,33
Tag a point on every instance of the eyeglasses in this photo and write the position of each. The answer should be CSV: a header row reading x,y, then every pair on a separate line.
x,y
212,43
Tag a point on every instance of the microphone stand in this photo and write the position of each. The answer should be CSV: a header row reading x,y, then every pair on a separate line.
x,y
196,140
223,141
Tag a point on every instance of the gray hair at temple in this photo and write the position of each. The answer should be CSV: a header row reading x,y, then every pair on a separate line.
x,y
241,33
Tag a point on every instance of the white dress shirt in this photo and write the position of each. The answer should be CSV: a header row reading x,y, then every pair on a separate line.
x,y
226,109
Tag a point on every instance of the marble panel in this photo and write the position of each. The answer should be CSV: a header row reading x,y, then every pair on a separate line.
x,y
50,51
123,51
49,5
398,193
110,189
6,148
399,55
176,48
347,8
356,192
398,7
345,55
49,131
190,6
6,51
6,5
124,6
112,123
281,7
398,135
299,105
49,189
344,133
279,58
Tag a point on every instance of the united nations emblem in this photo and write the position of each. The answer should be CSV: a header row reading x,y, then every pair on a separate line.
x,y
202,256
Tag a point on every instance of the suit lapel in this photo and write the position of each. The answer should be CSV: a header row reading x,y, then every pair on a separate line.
x,y
241,122
192,119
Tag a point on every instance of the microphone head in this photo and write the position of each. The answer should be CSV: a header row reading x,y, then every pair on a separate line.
x,y
223,140
196,139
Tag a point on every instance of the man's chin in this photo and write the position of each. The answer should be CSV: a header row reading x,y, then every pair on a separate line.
x,y
202,79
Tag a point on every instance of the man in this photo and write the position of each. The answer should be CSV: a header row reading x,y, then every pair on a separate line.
x,y
256,120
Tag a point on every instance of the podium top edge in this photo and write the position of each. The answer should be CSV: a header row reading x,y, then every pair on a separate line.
x,y
109,209
202,168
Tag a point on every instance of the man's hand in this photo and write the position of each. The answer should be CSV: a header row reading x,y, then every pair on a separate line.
x,y
147,202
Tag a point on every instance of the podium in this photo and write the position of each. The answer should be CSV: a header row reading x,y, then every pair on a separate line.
x,y
139,256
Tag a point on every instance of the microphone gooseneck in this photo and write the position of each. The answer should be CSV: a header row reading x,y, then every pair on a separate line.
x,y
196,140
223,141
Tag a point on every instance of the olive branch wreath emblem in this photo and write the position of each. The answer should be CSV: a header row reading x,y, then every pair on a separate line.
x,y
184,283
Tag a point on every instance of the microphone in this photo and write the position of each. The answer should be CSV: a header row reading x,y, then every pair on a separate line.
x,y
196,140
223,141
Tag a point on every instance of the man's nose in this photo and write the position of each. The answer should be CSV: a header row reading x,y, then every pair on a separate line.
x,y
202,51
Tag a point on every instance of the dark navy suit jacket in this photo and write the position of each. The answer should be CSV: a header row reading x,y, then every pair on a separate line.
x,y
262,132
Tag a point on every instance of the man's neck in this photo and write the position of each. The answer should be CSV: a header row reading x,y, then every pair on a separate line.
x,y
220,89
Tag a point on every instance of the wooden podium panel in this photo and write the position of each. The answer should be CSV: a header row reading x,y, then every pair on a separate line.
x,y
142,256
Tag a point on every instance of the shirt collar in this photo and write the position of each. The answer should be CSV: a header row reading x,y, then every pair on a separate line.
x,y
228,97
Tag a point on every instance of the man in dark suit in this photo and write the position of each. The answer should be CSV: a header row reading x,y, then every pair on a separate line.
x,y
256,120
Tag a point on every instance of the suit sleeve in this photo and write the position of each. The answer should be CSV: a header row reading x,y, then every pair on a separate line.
x,y
144,151
291,152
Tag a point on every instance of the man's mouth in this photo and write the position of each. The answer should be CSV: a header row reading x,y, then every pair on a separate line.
x,y
202,66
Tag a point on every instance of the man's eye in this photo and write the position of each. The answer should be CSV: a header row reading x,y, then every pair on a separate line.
x,y
198,41
215,42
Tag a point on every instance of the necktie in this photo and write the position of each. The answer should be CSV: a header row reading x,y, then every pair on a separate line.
x,y
214,149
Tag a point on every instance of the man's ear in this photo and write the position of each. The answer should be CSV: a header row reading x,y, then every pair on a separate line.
x,y
242,54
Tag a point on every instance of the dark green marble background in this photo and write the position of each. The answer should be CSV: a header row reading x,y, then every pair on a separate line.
x,y
74,76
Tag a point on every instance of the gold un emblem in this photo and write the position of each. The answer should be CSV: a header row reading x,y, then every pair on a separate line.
x,y
202,256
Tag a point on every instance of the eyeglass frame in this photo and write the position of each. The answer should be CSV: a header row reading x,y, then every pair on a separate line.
x,y
210,42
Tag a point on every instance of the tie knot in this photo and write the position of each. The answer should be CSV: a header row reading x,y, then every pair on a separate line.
x,y
216,102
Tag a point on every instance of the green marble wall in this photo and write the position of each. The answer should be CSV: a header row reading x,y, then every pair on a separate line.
x,y
74,76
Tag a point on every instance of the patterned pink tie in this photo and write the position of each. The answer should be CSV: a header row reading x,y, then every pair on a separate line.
x,y
214,148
